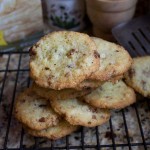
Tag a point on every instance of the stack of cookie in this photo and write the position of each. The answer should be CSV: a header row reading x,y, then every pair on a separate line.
x,y
77,81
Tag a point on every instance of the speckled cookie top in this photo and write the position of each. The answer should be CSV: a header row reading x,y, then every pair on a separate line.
x,y
77,112
63,59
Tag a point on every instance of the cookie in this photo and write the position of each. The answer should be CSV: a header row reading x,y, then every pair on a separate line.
x,y
63,59
138,77
34,111
77,112
114,61
59,94
111,96
62,129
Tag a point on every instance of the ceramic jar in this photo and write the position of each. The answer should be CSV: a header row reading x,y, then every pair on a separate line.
x,y
105,14
64,14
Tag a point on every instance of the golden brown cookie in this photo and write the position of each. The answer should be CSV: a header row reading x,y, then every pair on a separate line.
x,y
111,95
59,94
114,61
77,112
63,59
34,111
62,129
138,77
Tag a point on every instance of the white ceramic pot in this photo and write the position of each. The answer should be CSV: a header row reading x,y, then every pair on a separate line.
x,y
105,14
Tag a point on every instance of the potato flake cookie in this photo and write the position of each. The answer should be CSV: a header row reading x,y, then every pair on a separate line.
x,y
34,111
77,112
111,95
138,77
63,59
114,61
59,94
62,129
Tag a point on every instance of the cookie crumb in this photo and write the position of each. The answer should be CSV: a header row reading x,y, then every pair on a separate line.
x,y
96,54
42,119
71,52
46,68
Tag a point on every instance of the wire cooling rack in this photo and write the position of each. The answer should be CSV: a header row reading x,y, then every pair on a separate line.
x,y
128,129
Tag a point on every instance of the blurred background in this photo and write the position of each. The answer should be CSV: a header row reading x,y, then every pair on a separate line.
x,y
22,19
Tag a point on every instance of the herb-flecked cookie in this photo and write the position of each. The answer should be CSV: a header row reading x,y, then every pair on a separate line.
x,y
63,59
114,61
62,129
77,112
138,77
59,94
34,111
111,95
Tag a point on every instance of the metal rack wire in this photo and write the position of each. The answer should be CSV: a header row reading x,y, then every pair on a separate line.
x,y
128,142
